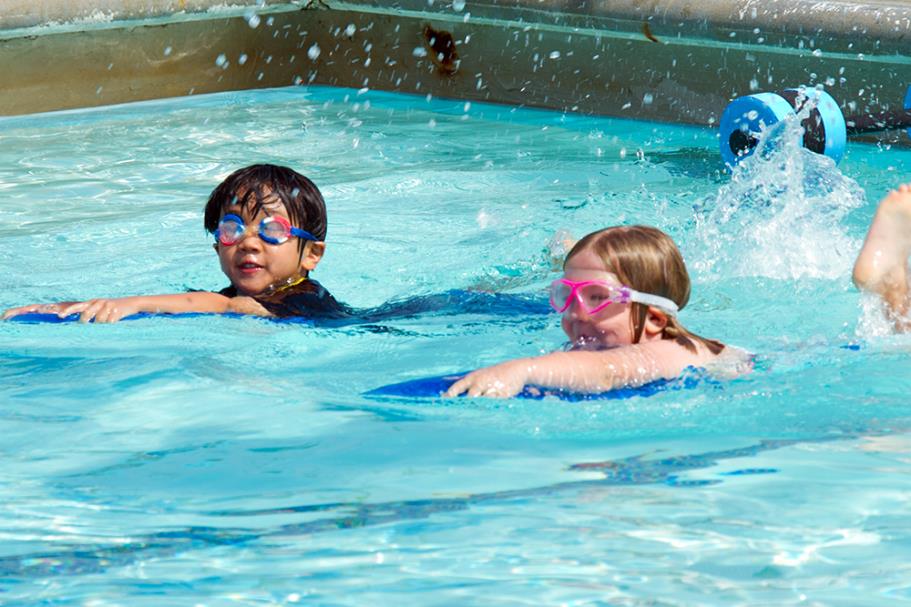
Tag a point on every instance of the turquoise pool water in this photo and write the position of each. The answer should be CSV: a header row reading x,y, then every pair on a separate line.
x,y
224,461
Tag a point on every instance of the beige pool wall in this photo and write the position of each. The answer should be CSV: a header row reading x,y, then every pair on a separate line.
x,y
672,60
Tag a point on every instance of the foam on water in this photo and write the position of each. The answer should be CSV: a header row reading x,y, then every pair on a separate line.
x,y
781,215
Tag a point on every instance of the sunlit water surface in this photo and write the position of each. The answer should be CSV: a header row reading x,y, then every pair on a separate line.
x,y
225,461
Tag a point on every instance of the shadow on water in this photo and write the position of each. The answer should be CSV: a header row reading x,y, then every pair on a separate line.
x,y
89,559
695,162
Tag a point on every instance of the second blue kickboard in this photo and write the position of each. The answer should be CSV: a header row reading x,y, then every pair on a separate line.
x,y
433,387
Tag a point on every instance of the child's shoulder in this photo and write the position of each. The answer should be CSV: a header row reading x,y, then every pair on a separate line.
x,y
672,357
671,348
730,363
306,298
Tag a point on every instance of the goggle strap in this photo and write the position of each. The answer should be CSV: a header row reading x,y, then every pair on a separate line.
x,y
663,303
303,234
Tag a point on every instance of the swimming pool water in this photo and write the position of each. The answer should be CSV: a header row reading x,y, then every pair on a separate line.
x,y
225,461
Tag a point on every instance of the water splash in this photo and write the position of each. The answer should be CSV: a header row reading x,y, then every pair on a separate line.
x,y
781,214
874,320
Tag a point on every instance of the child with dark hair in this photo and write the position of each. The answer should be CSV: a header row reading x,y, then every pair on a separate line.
x,y
269,224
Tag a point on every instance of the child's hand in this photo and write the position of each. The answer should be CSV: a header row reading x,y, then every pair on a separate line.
x,y
52,308
247,305
102,310
500,381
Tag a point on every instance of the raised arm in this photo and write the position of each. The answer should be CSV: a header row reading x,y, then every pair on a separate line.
x,y
882,265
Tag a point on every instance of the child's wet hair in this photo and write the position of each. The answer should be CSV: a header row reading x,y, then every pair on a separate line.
x,y
647,260
259,184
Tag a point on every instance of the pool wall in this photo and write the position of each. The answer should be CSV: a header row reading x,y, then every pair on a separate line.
x,y
678,61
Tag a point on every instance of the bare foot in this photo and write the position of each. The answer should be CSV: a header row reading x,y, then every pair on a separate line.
x,y
882,265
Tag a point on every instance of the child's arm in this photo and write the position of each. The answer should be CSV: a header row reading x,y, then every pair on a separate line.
x,y
114,309
590,372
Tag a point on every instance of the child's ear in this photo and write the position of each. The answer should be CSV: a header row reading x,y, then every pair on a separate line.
x,y
313,252
655,322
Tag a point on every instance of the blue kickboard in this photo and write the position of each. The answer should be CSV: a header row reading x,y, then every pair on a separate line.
x,y
433,387
36,318
456,301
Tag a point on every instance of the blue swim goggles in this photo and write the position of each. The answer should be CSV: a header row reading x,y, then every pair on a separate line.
x,y
274,230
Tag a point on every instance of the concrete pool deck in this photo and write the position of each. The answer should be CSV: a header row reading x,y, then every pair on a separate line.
x,y
677,61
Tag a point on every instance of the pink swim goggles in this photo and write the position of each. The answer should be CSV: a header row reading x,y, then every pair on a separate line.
x,y
595,295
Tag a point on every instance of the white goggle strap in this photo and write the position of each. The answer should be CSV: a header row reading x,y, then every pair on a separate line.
x,y
662,303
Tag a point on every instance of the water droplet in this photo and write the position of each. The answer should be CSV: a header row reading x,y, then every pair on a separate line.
x,y
253,20
313,52
221,61
167,51
242,59
419,51
350,30
554,54
647,99
458,5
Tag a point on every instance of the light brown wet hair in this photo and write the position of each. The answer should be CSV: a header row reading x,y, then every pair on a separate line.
x,y
647,260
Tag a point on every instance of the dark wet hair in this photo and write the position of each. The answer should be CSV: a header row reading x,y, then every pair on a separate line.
x,y
253,186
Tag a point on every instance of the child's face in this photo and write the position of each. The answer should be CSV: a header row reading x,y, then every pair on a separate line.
x,y
253,265
606,328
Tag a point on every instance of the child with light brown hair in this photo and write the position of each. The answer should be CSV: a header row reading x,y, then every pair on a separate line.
x,y
620,294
